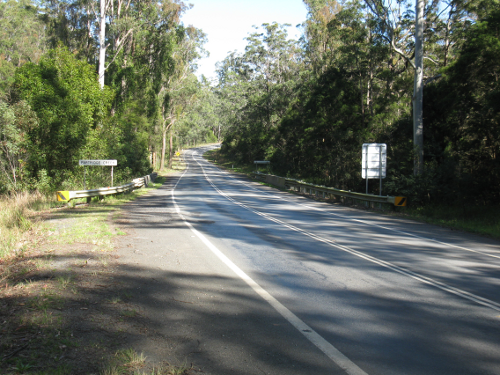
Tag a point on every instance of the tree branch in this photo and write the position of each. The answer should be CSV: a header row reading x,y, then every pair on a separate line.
x,y
430,59
120,46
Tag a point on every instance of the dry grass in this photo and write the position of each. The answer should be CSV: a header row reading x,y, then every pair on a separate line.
x,y
18,224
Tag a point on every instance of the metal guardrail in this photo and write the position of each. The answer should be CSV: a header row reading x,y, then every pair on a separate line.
x,y
66,196
326,192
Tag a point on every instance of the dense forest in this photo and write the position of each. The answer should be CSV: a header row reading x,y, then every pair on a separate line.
x,y
95,80
309,105
116,79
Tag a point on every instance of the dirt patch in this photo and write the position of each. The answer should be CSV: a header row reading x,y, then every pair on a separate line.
x,y
63,310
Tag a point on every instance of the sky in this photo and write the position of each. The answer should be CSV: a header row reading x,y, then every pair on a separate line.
x,y
228,22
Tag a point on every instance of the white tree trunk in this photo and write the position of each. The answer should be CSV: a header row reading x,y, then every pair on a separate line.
x,y
171,150
163,149
102,43
418,91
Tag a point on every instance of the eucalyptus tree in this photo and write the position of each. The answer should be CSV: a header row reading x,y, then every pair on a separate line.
x,y
320,46
72,23
120,20
425,34
22,38
178,84
271,62
231,92
201,123
464,115
255,89
206,111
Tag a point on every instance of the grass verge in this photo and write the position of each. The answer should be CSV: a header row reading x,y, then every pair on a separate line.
x,y
483,220
19,221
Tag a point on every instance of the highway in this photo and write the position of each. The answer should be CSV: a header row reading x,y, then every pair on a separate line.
x,y
360,293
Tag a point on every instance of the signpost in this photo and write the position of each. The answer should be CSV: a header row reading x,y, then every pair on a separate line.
x,y
98,163
374,162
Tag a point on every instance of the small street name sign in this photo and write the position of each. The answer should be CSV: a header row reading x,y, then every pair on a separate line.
x,y
98,163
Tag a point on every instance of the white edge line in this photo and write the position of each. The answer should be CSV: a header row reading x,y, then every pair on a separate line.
x,y
328,349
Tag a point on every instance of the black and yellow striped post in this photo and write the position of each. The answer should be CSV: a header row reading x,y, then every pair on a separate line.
x,y
400,201
63,196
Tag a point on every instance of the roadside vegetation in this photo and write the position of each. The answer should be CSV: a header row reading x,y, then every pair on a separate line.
x,y
483,220
84,82
62,101
18,222
55,109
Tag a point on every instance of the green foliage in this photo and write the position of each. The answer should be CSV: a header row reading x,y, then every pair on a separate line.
x,y
307,106
22,37
354,84
463,116
53,112
15,122
255,90
132,149
64,93
326,145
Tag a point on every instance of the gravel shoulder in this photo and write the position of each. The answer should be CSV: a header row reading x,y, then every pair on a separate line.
x,y
66,305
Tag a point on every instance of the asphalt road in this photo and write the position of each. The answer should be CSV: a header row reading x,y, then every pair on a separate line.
x,y
265,282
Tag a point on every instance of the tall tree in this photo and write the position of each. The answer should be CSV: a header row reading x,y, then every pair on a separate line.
x,y
321,48
397,27
418,90
22,38
178,83
464,114
256,87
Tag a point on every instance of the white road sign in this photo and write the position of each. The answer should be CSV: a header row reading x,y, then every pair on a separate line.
x,y
374,161
98,163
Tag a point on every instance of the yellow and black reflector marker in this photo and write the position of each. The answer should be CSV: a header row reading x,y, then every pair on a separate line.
x,y
63,196
400,201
